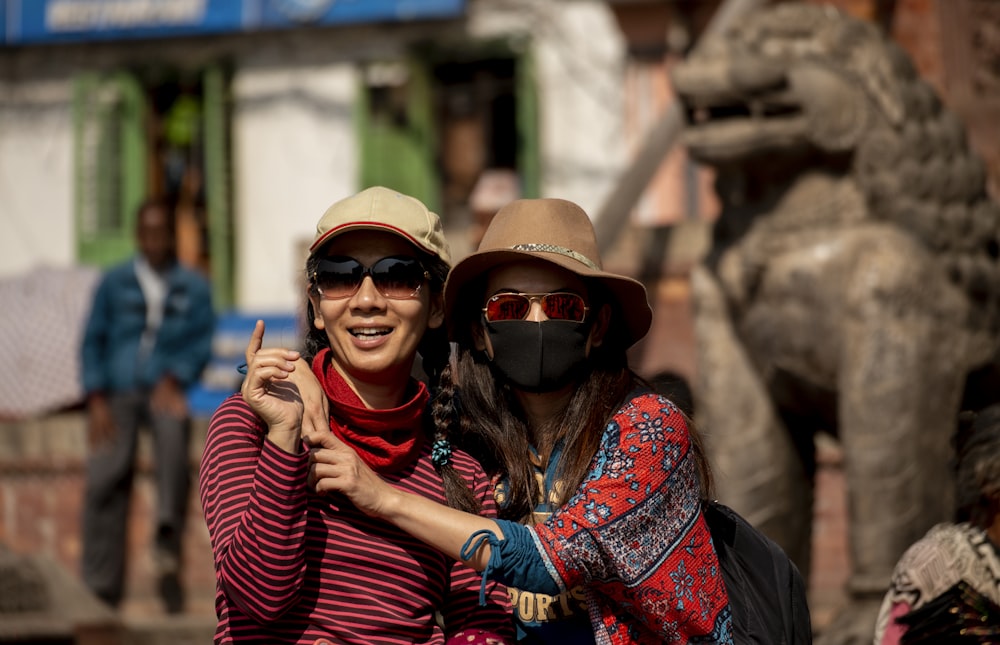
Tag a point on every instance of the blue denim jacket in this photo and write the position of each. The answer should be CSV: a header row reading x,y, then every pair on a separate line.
x,y
110,349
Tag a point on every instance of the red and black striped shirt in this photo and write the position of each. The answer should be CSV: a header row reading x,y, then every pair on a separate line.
x,y
294,567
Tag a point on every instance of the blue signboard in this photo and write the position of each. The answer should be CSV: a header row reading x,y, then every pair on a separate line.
x,y
26,22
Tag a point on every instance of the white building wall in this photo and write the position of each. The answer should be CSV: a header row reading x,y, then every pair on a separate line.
x,y
36,176
580,59
294,154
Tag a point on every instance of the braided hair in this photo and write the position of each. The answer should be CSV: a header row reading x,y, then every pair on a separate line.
x,y
435,353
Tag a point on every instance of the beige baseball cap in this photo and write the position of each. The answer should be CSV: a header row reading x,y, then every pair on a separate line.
x,y
383,209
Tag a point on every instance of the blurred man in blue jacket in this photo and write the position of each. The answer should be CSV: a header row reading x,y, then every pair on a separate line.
x,y
148,338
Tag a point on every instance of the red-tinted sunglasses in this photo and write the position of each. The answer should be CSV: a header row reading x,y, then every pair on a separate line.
x,y
560,305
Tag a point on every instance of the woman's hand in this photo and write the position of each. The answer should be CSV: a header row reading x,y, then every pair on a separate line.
x,y
270,393
335,466
316,407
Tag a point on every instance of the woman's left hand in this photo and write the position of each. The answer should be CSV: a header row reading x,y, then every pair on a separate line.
x,y
316,407
335,466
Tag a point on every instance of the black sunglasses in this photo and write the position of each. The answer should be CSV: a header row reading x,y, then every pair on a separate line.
x,y
395,277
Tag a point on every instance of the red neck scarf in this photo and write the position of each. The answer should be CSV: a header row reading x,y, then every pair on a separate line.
x,y
387,440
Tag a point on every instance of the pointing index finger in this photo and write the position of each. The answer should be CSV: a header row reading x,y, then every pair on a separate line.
x,y
256,341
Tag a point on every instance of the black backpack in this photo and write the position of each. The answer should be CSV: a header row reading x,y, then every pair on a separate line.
x,y
767,594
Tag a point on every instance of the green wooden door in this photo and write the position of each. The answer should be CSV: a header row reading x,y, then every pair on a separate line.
x,y
112,170
398,142
215,139
110,164
528,149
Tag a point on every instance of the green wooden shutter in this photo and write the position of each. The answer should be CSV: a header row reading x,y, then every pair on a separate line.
x,y
109,112
397,136
528,155
217,185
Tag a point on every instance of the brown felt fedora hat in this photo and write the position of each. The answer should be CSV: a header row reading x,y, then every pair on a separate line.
x,y
556,231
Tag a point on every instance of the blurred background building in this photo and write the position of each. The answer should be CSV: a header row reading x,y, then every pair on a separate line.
x,y
252,117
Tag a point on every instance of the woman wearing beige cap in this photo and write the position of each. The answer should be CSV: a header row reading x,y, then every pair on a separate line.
x,y
296,567
601,537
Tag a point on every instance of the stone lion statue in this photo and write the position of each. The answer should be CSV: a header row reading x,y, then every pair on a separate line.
x,y
852,286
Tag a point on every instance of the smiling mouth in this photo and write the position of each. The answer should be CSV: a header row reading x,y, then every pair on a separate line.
x,y
370,332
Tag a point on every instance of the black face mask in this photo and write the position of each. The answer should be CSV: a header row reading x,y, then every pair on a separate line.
x,y
538,356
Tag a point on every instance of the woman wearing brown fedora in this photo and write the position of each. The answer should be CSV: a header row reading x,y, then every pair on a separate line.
x,y
601,537
296,567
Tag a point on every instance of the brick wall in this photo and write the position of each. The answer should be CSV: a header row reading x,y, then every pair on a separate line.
x,y
41,492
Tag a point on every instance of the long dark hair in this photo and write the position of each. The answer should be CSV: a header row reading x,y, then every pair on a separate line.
x,y
493,424
435,352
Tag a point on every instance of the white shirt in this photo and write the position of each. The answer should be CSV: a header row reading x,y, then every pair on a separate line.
x,y
154,292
